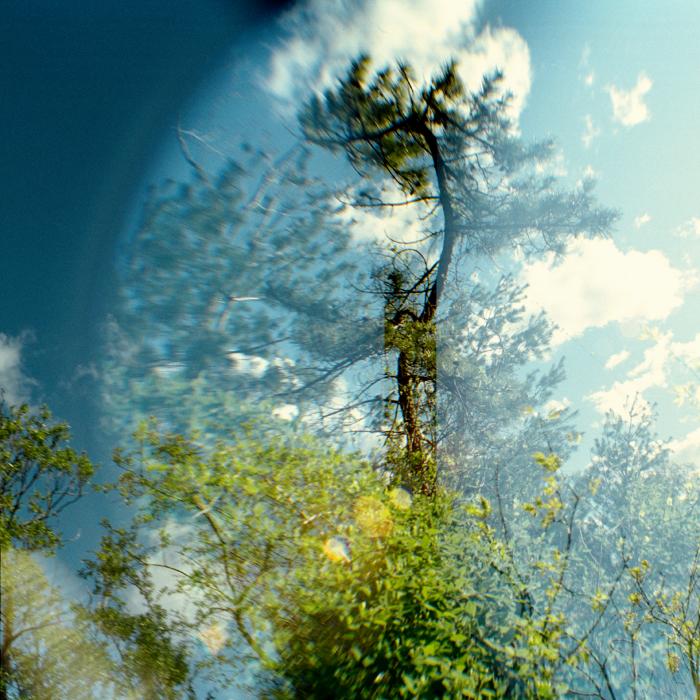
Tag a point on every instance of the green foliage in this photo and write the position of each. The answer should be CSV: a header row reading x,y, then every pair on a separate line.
x,y
50,649
301,559
423,613
44,655
385,108
152,665
40,476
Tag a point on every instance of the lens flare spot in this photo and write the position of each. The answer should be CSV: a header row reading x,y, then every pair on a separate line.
x,y
336,549
400,498
214,638
373,517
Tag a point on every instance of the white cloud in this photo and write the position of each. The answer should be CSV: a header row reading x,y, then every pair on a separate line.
x,y
164,579
324,35
617,359
687,449
555,165
405,224
501,48
585,66
642,219
690,229
590,132
286,411
597,283
628,106
653,371
555,406
15,384
248,364
620,396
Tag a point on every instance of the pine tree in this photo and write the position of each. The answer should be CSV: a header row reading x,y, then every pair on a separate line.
x,y
454,155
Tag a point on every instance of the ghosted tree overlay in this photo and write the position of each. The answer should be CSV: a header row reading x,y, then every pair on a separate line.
x,y
354,482
266,283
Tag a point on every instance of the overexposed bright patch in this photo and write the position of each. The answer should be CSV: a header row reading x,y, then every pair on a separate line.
x,y
589,79
214,637
400,498
642,219
324,35
168,369
617,359
598,283
628,106
373,517
590,131
336,549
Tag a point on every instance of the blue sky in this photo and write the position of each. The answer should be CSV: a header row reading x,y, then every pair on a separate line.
x,y
614,84
91,89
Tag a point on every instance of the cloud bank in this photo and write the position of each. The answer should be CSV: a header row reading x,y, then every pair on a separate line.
x,y
654,371
322,36
597,283
687,449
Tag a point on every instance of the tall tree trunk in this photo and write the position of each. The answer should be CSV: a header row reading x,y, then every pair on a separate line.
x,y
421,454
7,633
